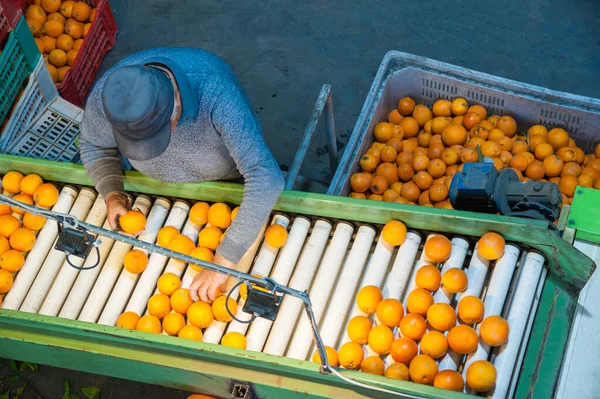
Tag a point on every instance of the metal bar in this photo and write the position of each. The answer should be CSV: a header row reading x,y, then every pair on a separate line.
x,y
320,105
331,136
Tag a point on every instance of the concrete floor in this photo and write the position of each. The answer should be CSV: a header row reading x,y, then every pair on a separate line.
x,y
283,51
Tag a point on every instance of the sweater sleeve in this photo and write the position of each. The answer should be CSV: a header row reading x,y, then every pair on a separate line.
x,y
233,118
98,150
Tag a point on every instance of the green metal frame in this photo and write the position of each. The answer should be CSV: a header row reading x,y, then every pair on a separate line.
x,y
212,369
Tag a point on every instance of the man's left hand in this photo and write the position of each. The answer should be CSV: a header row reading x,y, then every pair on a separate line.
x,y
206,283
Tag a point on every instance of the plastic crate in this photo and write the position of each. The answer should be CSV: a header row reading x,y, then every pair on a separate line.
x,y
426,81
10,12
100,39
39,92
19,58
52,134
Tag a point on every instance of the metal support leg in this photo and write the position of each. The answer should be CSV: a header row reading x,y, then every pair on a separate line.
x,y
324,102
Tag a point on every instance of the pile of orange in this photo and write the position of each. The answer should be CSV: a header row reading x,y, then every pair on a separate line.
x,y
417,152
17,227
427,330
59,28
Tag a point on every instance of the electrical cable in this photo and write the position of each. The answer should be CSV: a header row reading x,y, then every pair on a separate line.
x,y
227,304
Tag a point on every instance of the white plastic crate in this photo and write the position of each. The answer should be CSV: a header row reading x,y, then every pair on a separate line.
x,y
425,80
52,135
39,92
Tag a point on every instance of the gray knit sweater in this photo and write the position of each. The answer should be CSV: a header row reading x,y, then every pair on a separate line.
x,y
218,138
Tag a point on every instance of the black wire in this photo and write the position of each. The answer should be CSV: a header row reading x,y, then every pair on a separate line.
x,y
85,268
227,305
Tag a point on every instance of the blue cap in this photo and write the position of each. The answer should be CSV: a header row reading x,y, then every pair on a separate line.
x,y
138,101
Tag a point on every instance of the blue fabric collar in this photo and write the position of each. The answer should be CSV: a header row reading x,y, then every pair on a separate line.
x,y
188,99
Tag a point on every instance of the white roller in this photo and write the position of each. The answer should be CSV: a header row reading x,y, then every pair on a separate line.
x,y
85,281
397,279
343,295
67,274
37,255
460,247
291,306
126,282
41,285
518,315
192,230
423,261
495,297
110,272
284,266
215,331
147,281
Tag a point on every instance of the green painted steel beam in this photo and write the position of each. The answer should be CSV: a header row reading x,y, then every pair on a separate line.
x,y
572,267
585,214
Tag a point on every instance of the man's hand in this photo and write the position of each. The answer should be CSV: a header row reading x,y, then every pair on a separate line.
x,y
117,204
206,283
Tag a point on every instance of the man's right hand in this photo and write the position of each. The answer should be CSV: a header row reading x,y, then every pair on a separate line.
x,y
117,204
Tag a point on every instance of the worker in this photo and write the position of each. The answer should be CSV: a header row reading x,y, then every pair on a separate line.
x,y
180,115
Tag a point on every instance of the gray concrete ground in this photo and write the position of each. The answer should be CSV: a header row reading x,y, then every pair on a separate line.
x,y
283,52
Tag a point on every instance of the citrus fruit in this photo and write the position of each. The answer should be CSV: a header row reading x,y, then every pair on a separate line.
x,y
135,261
30,183
434,344
128,320
192,333
428,277
358,329
481,376
181,300
11,182
149,323
168,283
200,314
350,355
454,280
491,246
33,222
494,330
181,244
173,323
209,237
166,235
159,305
219,215
22,240
438,248
332,356
8,224
394,232
81,11
234,340
413,326
373,365
132,222
419,300
403,350
23,198
441,316
463,339
368,298
389,312
450,380
471,309
11,261
276,235
380,339
199,213
220,311
423,370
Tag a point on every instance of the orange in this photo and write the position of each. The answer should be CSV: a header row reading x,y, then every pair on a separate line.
x,y
438,248
66,8
537,129
519,147
420,162
507,124
219,215
558,138
58,17
77,44
406,105
22,240
397,187
491,246
220,311
390,312
368,298
571,169
424,138
276,235
459,106
450,380
11,182
481,376
480,131
64,42
454,280
6,281
493,119
397,371
36,27
536,141
11,261
149,324
413,326
409,126
585,181
135,261
442,108
470,119
30,183
201,253
332,357
159,305
360,182
199,213
200,314
395,143
74,29
439,123
173,323
491,149
494,330
369,162
358,329
394,117
436,168
209,237
181,300
351,355
54,28
71,57
50,5
81,11
62,72
40,44
418,301
424,198
435,150
553,166
441,316
373,365
394,232
542,151
128,320
454,134
383,131
234,340
403,350
463,339
4,245
168,283
8,225
166,235
388,154
505,143
438,192
519,162
471,309
428,277
23,198
390,195
182,244
567,154
375,197
423,370
422,115
58,58
405,171
35,13
410,191
46,195
434,344
479,110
